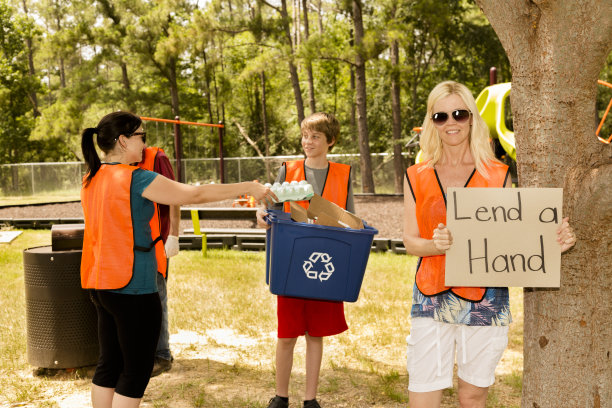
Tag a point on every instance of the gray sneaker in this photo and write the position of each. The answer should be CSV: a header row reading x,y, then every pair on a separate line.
x,y
277,402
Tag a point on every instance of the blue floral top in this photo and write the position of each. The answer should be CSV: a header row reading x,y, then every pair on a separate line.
x,y
492,310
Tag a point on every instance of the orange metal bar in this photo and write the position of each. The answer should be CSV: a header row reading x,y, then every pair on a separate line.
x,y
601,139
181,122
604,83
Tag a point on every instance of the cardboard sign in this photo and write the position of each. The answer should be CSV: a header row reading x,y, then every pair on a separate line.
x,y
504,237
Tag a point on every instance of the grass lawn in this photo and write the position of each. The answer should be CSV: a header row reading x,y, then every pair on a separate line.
x,y
223,337
56,197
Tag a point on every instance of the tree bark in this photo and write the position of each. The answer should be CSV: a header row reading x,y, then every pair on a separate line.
x,y
295,80
320,15
62,73
208,91
127,88
125,79
396,109
31,70
353,106
311,89
556,51
264,121
367,181
174,94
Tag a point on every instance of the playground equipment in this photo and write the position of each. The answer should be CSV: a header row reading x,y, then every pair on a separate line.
x,y
244,201
603,118
178,143
493,106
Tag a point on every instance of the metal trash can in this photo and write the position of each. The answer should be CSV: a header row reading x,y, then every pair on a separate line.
x,y
62,323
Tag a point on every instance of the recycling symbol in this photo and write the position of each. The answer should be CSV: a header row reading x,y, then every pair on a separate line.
x,y
310,264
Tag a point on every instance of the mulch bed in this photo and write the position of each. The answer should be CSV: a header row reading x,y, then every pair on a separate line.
x,y
383,212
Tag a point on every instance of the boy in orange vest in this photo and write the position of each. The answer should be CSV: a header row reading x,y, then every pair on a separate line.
x,y
312,318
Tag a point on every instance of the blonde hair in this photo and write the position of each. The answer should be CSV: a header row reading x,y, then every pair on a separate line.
x,y
325,123
480,145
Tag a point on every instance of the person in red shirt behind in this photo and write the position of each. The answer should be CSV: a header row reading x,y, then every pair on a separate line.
x,y
313,319
168,218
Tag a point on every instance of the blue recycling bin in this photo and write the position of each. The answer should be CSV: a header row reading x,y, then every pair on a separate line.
x,y
315,261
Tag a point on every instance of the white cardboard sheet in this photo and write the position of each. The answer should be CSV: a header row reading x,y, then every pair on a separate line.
x,y
7,236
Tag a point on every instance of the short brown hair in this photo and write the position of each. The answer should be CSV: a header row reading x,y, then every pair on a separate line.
x,y
325,123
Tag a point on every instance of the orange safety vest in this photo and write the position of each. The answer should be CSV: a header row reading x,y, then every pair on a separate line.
x,y
336,184
107,261
431,211
148,163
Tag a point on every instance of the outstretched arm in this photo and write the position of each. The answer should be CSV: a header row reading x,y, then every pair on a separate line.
x,y
165,191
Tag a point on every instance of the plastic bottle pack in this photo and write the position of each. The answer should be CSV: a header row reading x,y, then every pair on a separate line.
x,y
294,191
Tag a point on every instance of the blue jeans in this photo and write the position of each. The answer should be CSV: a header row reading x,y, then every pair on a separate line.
x,y
163,344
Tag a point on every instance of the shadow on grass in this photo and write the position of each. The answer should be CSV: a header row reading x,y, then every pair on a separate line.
x,y
208,383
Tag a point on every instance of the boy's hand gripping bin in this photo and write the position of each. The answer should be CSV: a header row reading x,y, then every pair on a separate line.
x,y
315,261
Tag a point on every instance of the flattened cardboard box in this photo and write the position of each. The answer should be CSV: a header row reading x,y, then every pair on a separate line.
x,y
325,213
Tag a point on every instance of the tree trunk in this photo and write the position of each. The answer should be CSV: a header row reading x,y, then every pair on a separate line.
x,y
31,70
398,162
353,109
174,94
264,121
295,80
127,88
555,66
208,92
311,91
296,24
125,79
62,73
320,15
367,181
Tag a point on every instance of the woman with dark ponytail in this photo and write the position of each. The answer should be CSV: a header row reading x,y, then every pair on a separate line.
x,y
123,252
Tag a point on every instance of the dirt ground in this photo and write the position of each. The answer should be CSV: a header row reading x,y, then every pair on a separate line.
x,y
383,212
210,361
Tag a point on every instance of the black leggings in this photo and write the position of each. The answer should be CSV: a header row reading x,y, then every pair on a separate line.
x,y
128,330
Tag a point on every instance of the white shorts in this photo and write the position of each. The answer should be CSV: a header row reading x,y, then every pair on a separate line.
x,y
431,354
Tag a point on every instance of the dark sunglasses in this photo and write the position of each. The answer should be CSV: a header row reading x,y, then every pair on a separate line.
x,y
143,135
459,115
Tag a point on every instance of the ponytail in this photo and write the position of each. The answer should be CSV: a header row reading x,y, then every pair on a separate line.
x,y
108,131
89,154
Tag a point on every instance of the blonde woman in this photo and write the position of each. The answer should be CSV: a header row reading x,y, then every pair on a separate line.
x,y
471,321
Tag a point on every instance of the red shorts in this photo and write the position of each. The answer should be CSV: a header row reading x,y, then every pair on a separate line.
x,y
318,318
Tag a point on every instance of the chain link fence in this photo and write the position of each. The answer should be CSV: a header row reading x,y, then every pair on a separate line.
x,y
62,181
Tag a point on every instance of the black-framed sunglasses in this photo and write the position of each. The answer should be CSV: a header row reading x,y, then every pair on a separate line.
x,y
143,135
459,115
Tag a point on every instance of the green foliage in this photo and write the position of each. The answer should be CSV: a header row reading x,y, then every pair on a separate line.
x,y
204,61
16,116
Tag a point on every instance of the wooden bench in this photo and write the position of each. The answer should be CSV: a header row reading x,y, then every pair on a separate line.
x,y
219,213
397,246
